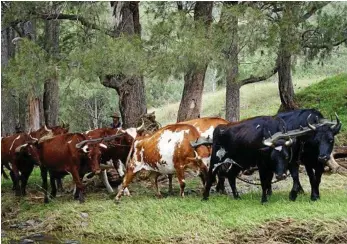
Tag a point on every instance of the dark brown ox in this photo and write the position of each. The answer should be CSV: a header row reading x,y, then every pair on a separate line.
x,y
167,151
10,145
118,142
72,153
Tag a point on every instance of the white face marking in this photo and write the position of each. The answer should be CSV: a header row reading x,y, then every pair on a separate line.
x,y
220,153
132,132
69,141
87,131
14,141
208,132
279,148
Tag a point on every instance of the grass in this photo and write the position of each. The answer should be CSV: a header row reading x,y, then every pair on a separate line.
x,y
143,218
328,96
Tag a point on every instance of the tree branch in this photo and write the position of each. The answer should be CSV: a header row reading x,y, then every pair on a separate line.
x,y
79,18
253,79
324,46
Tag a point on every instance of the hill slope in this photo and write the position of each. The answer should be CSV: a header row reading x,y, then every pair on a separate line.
x,y
328,96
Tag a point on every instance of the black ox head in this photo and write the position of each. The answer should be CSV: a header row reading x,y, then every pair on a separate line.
x,y
323,137
280,155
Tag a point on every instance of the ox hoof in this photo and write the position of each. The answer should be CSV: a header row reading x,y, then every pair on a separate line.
x,y
293,195
264,201
204,199
315,198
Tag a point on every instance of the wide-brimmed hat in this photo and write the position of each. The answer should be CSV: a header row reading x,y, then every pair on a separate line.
x,y
115,115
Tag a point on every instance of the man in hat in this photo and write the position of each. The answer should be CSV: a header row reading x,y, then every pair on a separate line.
x,y
116,121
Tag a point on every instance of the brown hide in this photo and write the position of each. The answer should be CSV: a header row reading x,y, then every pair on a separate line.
x,y
183,156
203,124
117,148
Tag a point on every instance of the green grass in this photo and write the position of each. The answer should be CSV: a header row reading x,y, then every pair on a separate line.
x,y
328,96
144,218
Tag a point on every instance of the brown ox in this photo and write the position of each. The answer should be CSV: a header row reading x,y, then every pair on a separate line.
x,y
118,143
167,151
71,153
9,146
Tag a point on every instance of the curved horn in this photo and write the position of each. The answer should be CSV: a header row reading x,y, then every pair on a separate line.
x,y
289,142
338,122
46,129
142,126
268,143
35,139
312,127
84,149
81,144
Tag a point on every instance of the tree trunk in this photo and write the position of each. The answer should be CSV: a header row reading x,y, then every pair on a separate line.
x,y
34,113
232,103
190,106
131,90
285,83
8,101
51,86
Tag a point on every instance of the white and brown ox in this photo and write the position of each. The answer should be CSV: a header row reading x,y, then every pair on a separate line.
x,y
167,151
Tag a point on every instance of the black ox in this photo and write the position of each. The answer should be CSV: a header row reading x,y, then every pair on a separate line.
x,y
312,149
242,144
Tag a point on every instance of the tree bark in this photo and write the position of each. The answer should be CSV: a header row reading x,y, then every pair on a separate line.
x,y
285,83
190,106
8,102
34,113
51,86
232,103
131,90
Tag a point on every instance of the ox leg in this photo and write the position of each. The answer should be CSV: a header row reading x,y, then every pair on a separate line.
x,y
220,184
315,179
154,180
181,181
24,179
44,183
265,179
269,184
52,181
129,176
210,176
297,188
318,171
16,179
79,186
60,184
232,181
170,184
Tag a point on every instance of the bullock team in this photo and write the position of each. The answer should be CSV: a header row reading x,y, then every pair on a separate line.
x,y
212,147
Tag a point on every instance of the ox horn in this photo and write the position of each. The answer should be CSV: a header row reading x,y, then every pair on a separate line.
x,y
312,127
338,122
35,139
81,144
142,126
48,130
289,142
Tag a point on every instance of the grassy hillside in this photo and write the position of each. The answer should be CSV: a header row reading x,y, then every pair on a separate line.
x,y
256,99
328,96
